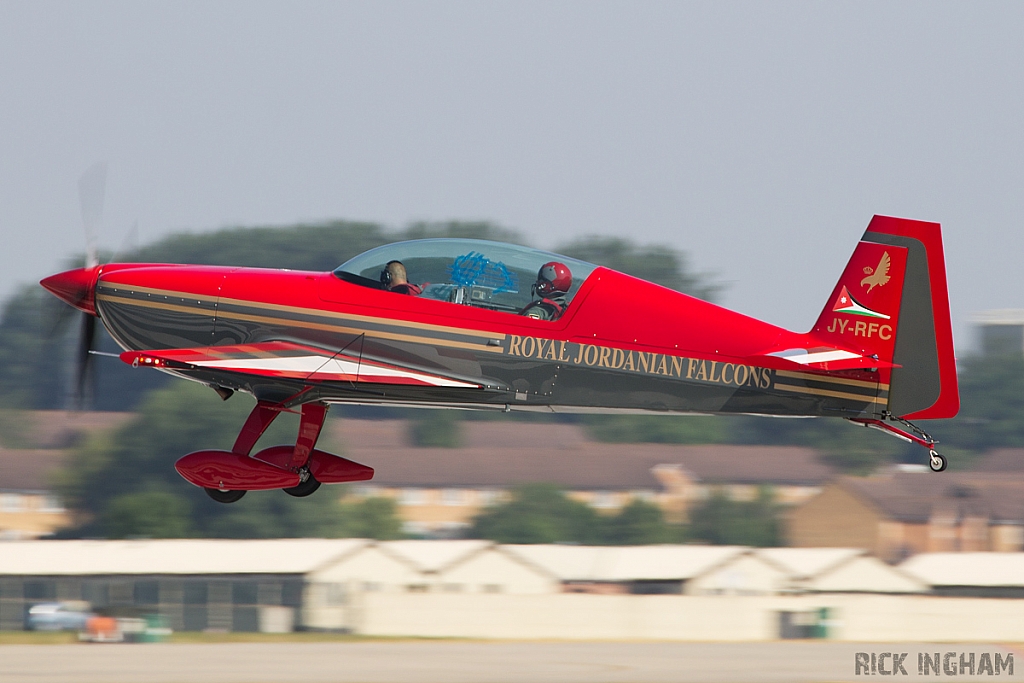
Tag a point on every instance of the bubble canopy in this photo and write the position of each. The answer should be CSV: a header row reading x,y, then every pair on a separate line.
x,y
480,273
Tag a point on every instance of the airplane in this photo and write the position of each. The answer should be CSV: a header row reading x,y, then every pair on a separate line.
x,y
880,354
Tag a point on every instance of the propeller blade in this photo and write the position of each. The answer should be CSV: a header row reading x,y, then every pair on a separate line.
x,y
92,187
84,367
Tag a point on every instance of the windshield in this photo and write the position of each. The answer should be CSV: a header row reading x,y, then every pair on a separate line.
x,y
478,273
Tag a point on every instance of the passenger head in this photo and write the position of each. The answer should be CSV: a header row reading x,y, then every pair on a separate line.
x,y
553,278
393,274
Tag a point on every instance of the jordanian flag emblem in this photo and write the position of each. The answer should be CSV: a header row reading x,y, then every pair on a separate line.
x,y
846,304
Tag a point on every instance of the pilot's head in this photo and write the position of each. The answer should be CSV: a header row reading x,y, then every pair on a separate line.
x,y
393,274
553,278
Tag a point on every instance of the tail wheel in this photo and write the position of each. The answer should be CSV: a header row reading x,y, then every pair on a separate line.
x,y
936,461
305,488
224,496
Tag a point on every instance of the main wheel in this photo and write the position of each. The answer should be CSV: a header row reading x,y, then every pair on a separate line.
x,y
304,488
937,462
224,496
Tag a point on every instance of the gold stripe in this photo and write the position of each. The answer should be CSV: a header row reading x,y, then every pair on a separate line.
x,y
830,379
301,323
157,304
832,394
160,292
312,311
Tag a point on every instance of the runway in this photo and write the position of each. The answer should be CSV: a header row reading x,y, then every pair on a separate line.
x,y
462,662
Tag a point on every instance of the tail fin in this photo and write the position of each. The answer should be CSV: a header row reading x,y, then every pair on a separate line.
x,y
891,302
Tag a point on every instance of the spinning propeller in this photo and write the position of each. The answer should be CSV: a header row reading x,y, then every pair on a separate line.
x,y
91,193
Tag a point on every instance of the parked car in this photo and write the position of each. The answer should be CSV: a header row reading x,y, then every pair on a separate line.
x,y
58,616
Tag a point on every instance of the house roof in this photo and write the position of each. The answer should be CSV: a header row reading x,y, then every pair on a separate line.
x,y
497,454
171,556
917,496
1001,460
28,470
967,569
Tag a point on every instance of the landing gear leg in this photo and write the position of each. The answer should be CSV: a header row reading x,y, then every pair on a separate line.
x,y
313,416
936,462
259,419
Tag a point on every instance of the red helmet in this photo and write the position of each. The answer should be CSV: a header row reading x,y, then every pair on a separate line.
x,y
553,278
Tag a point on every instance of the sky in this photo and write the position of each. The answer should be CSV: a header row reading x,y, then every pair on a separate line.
x,y
758,137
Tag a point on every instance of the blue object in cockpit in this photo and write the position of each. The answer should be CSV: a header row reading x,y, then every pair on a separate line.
x,y
475,269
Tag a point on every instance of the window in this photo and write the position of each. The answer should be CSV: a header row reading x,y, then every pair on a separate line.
x,y
195,593
147,592
476,273
11,502
244,593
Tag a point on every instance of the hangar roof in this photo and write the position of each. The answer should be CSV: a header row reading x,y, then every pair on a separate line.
x,y
172,556
967,569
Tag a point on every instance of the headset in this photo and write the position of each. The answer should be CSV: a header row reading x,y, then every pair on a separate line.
x,y
385,275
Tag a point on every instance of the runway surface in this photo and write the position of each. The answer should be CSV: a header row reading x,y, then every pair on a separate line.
x,y
461,662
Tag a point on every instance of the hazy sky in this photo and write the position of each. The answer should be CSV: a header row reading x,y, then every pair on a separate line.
x,y
759,137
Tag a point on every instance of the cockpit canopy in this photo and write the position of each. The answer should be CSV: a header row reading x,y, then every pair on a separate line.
x,y
479,273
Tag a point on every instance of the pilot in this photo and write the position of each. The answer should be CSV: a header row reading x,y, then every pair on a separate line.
x,y
395,279
553,283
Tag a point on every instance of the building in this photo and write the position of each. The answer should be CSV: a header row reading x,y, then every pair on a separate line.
x,y
440,490
196,584
638,570
970,574
1001,332
33,445
837,570
908,510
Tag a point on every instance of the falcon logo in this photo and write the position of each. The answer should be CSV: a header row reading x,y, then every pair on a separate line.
x,y
880,276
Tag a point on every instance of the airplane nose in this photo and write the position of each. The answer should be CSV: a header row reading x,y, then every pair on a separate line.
x,y
77,287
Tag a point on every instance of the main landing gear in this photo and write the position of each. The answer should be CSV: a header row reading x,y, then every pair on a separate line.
x,y
294,460
298,470
936,461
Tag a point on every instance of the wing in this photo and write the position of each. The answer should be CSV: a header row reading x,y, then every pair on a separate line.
x,y
288,361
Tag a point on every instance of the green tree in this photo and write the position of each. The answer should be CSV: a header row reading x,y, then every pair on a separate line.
x,y
723,521
149,514
375,517
115,473
542,513
991,404
538,513
640,523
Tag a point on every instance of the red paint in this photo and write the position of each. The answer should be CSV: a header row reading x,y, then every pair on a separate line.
x,y
312,422
331,469
76,287
259,419
930,235
225,470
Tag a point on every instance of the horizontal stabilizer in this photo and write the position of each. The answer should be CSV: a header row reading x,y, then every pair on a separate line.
x,y
827,358
290,361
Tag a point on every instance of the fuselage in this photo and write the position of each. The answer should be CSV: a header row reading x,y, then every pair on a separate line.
x,y
623,344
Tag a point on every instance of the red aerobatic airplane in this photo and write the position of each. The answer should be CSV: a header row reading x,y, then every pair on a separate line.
x,y
471,333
